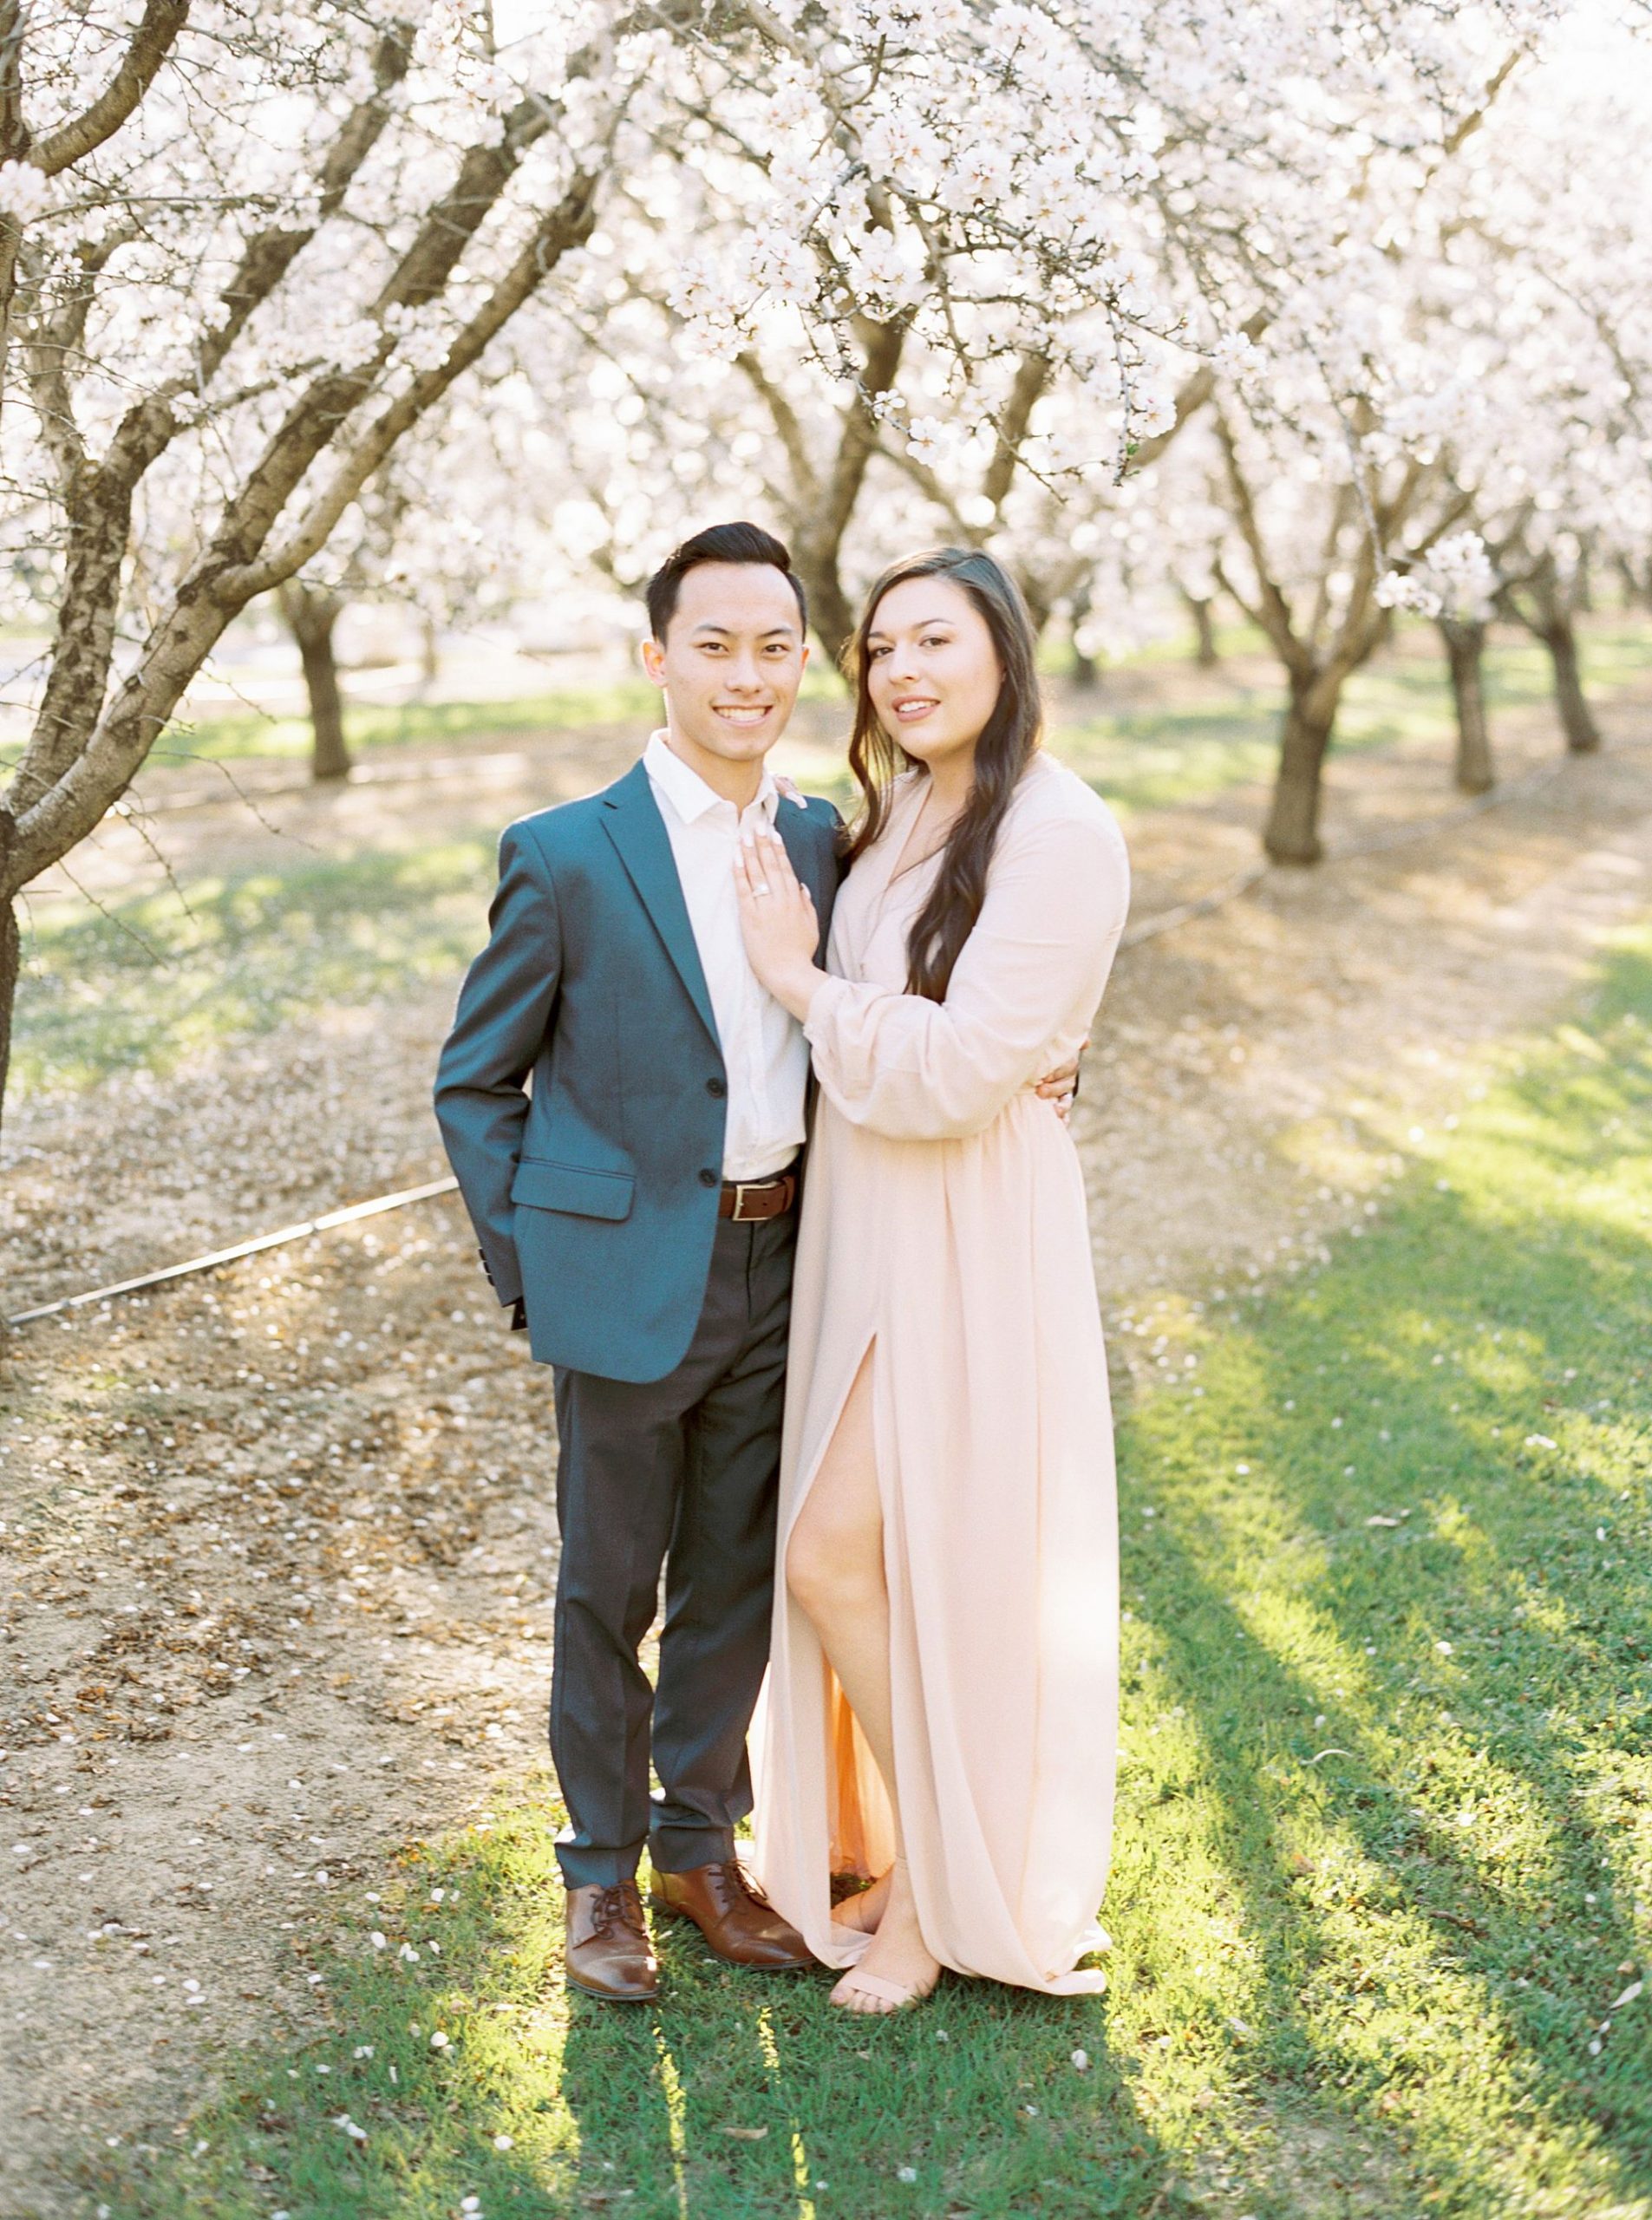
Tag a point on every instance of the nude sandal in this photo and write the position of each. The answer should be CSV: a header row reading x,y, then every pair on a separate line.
x,y
894,1995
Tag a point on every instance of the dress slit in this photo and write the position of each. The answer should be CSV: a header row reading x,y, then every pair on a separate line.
x,y
829,1434
859,1805
944,1239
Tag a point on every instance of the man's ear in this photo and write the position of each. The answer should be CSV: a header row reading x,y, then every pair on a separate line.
x,y
654,661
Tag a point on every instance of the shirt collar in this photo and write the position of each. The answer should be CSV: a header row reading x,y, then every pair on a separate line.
x,y
687,791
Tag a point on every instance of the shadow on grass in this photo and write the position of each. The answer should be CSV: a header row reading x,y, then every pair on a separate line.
x,y
253,949
1398,1583
473,2073
1388,1729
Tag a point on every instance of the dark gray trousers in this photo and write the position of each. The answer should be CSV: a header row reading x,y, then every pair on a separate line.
x,y
682,1472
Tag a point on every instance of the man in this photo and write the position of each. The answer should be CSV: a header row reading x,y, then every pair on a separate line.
x,y
637,1206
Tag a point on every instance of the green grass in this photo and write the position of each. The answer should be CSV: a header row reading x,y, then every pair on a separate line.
x,y
1155,758
414,723
264,947
243,733
149,982
1373,1895
1139,758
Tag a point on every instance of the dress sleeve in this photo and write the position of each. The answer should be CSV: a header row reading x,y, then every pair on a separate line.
x,y
1036,961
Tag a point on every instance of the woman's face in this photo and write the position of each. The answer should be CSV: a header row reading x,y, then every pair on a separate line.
x,y
933,672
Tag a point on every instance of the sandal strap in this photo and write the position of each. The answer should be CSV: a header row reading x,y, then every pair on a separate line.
x,y
887,1992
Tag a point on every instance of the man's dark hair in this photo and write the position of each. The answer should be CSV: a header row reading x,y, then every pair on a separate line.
x,y
718,543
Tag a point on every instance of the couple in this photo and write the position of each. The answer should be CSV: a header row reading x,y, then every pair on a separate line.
x,y
881,1377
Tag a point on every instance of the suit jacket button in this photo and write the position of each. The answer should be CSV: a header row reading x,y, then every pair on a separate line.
x,y
708,1180
716,1086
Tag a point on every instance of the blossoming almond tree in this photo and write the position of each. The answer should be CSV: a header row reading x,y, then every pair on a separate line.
x,y
242,260
1042,237
243,257
1354,464
1565,251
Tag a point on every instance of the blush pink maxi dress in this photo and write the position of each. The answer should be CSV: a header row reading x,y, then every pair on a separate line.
x,y
943,1227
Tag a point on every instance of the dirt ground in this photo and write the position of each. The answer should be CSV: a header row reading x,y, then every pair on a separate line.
x,y
280,1539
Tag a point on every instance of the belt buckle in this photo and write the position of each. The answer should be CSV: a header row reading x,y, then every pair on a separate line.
x,y
740,1202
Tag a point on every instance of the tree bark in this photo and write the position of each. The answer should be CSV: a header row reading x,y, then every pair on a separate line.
x,y
1292,833
312,617
832,615
1576,718
10,953
1204,654
1083,672
1637,590
1549,620
1465,657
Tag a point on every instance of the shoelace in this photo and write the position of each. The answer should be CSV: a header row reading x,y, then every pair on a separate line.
x,y
735,1884
619,1906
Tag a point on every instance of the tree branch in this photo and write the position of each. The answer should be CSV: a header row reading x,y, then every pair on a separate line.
x,y
152,42
1192,396
560,230
787,426
1272,612
98,502
1032,376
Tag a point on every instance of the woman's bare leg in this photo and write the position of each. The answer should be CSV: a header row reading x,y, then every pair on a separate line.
x,y
864,1909
834,1568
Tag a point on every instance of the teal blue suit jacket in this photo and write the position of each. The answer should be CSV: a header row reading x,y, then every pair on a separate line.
x,y
582,1095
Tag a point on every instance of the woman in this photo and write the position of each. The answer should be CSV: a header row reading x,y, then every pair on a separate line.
x,y
943,1677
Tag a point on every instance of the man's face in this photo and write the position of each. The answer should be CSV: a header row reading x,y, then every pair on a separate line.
x,y
731,661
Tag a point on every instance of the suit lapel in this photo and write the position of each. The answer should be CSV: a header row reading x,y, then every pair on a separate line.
x,y
793,826
638,831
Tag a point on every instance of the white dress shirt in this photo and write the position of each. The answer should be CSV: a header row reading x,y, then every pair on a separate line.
x,y
764,1053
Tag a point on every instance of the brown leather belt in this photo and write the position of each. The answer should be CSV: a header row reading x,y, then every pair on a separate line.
x,y
754,1200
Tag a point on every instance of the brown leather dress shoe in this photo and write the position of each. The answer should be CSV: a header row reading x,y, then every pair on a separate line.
x,y
733,1914
609,1954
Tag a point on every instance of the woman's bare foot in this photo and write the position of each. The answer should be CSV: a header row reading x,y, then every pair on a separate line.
x,y
863,1912
898,1970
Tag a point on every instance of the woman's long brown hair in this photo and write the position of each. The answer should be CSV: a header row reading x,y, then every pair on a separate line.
x,y
1007,742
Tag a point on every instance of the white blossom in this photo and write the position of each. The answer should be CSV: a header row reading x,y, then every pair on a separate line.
x,y
25,192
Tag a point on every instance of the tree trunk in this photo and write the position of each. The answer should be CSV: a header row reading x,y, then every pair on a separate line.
x,y
1083,670
1292,833
1576,718
10,949
1465,653
1204,654
1637,592
429,652
831,618
1552,624
311,616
